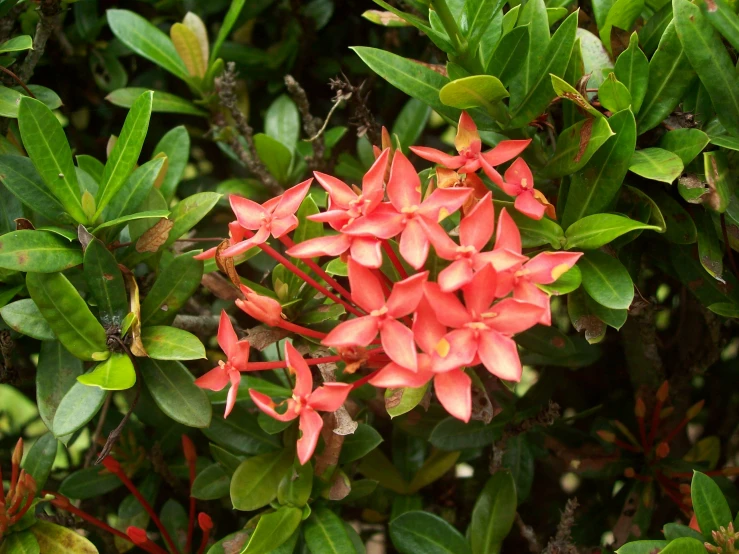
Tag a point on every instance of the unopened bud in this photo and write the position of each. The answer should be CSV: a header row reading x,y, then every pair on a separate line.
x,y
137,536
629,472
694,410
18,453
640,408
188,447
606,436
663,391
663,450
205,522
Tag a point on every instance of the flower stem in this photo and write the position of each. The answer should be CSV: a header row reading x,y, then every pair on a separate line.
x,y
394,259
63,503
294,328
259,366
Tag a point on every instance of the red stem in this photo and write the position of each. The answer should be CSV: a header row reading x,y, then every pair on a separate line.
x,y
299,329
359,382
394,259
258,366
288,242
63,503
267,249
626,446
113,466
676,430
204,541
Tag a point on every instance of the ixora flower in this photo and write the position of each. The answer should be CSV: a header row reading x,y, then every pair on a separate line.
x,y
397,339
453,388
470,156
305,402
519,183
405,212
448,178
275,217
260,307
475,231
482,330
237,352
235,235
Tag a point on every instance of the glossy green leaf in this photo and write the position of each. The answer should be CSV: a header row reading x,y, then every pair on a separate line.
x,y
518,458
680,225
295,487
565,90
47,146
609,316
411,122
718,176
685,545
173,389
596,60
623,14
89,483
20,177
17,44
275,529
174,517
241,433
674,531
641,547
493,514
606,280
364,439
212,483
709,58
533,15
576,145
476,19
40,458
613,94
275,156
176,145
656,164
23,542
596,230
724,19
133,192
56,374
670,76
67,314
146,40
174,285
594,187
527,107
548,341
453,434
534,233
325,533
92,166
78,406
435,31
401,401
709,504
105,281
163,102
418,531
188,213
115,373
710,250
686,143
55,539
151,214
282,121
24,317
506,61
651,33
254,484
434,467
228,22
632,69
726,309
481,91
169,343
126,151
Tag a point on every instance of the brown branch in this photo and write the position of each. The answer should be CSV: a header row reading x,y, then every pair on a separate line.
x,y
528,535
311,125
226,87
362,117
561,543
49,18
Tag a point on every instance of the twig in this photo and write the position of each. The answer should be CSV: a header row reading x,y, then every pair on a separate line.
x,y
727,245
49,11
311,125
98,430
226,86
561,542
528,535
362,117
17,80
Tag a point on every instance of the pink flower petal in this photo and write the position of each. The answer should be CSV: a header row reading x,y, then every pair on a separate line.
x,y
373,182
480,292
207,255
414,245
530,293
378,224
310,425
329,397
426,328
267,405
215,379
455,350
330,245
239,356
505,150
449,310
393,376
445,247
366,251
249,214
476,229
444,201
529,206
438,157
493,174
226,335
340,193
359,331
499,355
283,225
404,186
235,378
454,391
365,287
398,343
547,267
239,248
291,199
406,295
296,364
456,275
513,316
507,236
520,174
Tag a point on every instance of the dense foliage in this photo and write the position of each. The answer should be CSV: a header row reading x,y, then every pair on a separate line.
x,y
418,276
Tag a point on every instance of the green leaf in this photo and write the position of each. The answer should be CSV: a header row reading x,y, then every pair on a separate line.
x,y
295,487
105,282
642,547
613,94
56,374
162,102
709,58
89,483
415,532
67,314
576,145
556,56
92,166
39,251
685,545
133,192
710,251
596,60
188,213
240,432
594,187
254,484
651,33
548,341
670,76
228,22
176,145
78,406
115,373
724,20
518,458
169,343
508,57
410,123
726,309
720,181
476,19
656,164
23,542
24,317
376,466
20,177
623,14
593,231
710,506
55,539
493,514
175,520
453,434
174,391
565,90
477,91
17,44
40,458
674,531
126,151
47,146
606,280
212,483
174,285
613,318
146,40
534,233
357,445
324,533
434,467
680,225
282,122
275,529
686,143
534,16
153,214
402,401
435,32
275,156
632,69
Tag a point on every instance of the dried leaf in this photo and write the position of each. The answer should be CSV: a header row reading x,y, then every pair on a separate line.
x,y
153,239
84,236
22,224
137,346
226,265
220,287
163,171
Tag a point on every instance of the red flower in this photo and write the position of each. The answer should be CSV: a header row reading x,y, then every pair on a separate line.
x,y
475,231
519,183
453,388
397,339
276,216
305,402
227,372
405,212
235,233
262,308
482,330
470,157
365,251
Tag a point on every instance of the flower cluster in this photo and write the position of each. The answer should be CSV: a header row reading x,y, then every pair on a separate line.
x,y
413,324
